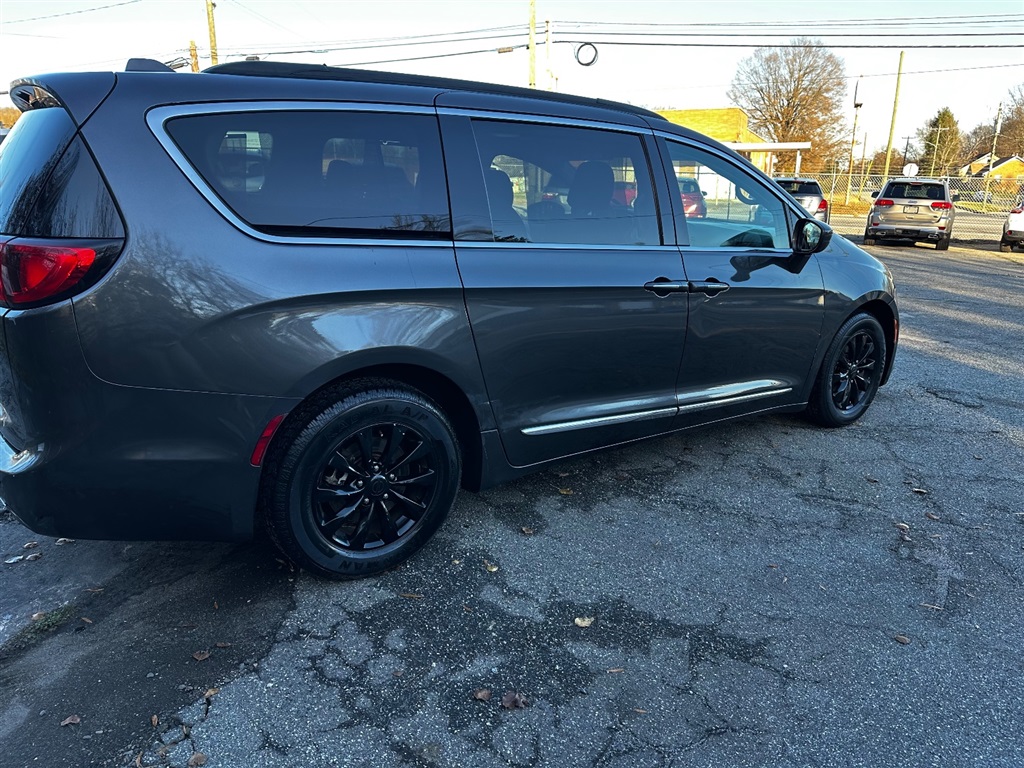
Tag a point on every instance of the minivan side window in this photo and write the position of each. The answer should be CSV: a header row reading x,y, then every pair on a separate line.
x,y
733,209
322,173
566,184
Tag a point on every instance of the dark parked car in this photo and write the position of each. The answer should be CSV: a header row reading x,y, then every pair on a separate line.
x,y
324,299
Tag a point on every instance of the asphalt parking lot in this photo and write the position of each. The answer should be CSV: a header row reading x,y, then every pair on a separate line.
x,y
757,593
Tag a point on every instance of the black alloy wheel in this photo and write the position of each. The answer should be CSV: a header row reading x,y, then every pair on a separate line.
x,y
363,479
850,374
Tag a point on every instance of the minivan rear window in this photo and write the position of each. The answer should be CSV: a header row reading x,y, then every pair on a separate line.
x,y
322,173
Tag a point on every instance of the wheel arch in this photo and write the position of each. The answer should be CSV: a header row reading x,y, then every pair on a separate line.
x,y
442,390
886,316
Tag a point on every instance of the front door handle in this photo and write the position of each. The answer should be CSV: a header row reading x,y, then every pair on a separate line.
x,y
662,286
708,287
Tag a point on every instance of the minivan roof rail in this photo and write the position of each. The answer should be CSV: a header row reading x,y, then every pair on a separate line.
x,y
324,72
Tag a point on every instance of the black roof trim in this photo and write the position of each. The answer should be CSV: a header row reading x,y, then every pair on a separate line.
x,y
324,72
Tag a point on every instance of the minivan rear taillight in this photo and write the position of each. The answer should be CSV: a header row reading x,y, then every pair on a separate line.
x,y
34,272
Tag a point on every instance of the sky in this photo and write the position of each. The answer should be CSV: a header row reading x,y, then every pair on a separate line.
x,y
689,69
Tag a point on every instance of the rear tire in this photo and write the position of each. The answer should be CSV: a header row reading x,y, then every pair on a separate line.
x,y
850,373
362,480
1006,247
942,244
868,239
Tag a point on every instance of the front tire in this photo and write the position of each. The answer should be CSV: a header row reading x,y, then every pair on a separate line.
x,y
850,373
362,480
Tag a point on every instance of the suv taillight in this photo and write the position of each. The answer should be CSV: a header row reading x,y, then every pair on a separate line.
x,y
1019,209
823,205
34,272
941,206
884,202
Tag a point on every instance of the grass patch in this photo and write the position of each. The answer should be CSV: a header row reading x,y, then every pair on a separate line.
x,y
37,630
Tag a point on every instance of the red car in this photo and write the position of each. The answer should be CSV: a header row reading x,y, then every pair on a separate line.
x,y
694,206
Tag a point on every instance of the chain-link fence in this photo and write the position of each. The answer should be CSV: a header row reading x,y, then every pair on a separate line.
x,y
980,210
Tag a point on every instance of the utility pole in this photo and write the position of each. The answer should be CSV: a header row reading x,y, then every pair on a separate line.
x,y
863,160
194,55
533,43
935,146
213,31
853,140
992,157
892,126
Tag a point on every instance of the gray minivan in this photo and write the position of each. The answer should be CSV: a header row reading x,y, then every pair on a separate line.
x,y
321,300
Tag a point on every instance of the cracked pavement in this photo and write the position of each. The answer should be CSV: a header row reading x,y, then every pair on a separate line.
x,y
763,593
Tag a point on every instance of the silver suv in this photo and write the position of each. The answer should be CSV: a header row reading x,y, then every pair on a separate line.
x,y
921,210
808,193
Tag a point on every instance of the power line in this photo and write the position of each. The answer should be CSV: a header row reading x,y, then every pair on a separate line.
x,y
803,25
261,17
335,49
72,13
787,45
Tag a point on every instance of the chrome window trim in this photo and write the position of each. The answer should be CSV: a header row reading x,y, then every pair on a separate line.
x,y
157,117
526,117
487,244
713,397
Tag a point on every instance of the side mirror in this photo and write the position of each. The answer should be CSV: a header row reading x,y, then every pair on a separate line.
x,y
874,194
811,236
705,194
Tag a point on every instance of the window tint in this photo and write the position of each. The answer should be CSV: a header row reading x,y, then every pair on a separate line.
x,y
734,210
329,173
800,188
914,191
558,184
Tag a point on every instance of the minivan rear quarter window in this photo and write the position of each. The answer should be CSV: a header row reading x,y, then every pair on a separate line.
x,y
322,173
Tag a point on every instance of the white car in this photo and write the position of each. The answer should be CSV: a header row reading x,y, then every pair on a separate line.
x,y
1013,229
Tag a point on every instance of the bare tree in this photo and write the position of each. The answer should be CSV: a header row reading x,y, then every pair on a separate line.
x,y
795,94
1011,135
941,144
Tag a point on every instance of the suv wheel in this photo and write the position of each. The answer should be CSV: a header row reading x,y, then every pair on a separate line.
x,y
362,481
943,243
1005,247
868,239
850,373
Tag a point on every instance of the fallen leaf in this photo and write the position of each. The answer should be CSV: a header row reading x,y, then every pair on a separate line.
x,y
13,560
904,537
33,557
30,545
398,673
215,605
86,619
95,590
482,694
583,621
138,759
932,516
902,639
933,607
197,759
615,670
210,693
62,542
903,527
412,595
71,720
37,616
922,491
456,562
223,645
640,711
491,567
513,700
154,721
565,491
527,531
772,565
561,473
201,655
871,479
